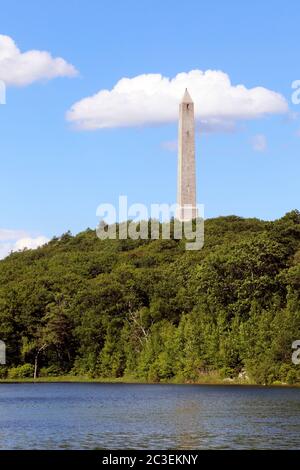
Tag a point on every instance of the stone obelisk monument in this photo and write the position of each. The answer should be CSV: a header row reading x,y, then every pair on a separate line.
x,y
186,195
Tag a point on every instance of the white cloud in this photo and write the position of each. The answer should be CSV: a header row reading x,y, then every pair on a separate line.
x,y
153,99
5,249
22,68
30,243
259,143
15,240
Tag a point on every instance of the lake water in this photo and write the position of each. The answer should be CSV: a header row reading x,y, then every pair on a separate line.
x,y
132,416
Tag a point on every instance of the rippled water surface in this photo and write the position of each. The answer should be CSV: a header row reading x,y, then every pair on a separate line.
x,y
99,416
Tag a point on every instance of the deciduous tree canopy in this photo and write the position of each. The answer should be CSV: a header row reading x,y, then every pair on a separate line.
x,y
151,309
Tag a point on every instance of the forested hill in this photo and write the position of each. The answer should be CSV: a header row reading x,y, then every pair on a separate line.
x,y
152,310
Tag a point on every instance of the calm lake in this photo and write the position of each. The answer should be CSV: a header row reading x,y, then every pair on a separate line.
x,y
112,416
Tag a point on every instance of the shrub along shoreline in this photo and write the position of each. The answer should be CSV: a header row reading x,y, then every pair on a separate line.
x,y
207,380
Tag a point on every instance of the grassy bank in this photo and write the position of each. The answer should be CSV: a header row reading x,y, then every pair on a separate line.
x,y
205,380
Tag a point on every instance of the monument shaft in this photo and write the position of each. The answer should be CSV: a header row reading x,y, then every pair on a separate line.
x,y
186,197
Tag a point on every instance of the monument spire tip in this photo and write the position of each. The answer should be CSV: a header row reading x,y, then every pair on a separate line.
x,y
187,97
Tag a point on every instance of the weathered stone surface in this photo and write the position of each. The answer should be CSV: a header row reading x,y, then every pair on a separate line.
x,y
186,196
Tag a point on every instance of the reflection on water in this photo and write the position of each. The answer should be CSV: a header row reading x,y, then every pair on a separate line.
x,y
111,416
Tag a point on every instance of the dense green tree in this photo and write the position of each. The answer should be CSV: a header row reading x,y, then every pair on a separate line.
x,y
151,309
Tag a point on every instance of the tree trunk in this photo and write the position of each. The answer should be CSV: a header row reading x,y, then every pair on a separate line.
x,y
36,360
35,366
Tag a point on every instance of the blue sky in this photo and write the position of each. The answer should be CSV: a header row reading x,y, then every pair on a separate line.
x,y
53,176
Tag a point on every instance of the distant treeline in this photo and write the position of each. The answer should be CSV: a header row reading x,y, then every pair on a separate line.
x,y
152,310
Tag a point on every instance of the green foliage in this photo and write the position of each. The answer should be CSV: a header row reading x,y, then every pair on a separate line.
x,y
51,371
21,372
151,310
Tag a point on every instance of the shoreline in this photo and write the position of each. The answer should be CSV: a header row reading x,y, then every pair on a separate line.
x,y
131,380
